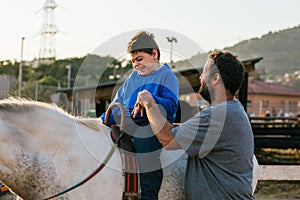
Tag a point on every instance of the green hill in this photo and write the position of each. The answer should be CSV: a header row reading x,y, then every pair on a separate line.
x,y
280,51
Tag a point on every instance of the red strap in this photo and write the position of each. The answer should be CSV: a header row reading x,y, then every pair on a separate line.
x,y
128,183
131,177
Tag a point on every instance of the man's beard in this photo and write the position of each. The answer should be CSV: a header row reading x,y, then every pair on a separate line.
x,y
204,92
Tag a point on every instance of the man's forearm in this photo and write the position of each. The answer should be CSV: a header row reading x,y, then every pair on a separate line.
x,y
161,127
159,124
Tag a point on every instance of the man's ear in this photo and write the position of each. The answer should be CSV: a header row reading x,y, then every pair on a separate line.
x,y
216,78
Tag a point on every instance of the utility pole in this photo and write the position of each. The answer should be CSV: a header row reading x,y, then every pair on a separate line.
x,y
69,75
171,40
47,32
20,69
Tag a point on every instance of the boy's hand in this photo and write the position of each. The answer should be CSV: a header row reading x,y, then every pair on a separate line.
x,y
144,99
138,107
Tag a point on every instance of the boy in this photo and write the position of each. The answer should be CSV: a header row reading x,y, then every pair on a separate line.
x,y
163,84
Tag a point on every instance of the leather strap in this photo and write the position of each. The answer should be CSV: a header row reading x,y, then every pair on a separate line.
x,y
129,163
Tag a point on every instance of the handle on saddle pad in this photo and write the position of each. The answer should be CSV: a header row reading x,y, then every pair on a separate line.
x,y
123,114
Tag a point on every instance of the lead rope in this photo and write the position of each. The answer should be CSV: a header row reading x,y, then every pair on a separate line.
x,y
107,158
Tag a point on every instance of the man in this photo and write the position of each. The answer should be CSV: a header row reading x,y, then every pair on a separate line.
x,y
218,139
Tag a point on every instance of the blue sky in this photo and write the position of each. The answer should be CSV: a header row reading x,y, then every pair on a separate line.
x,y
84,25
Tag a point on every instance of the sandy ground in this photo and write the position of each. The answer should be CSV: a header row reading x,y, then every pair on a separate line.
x,y
266,190
7,196
277,190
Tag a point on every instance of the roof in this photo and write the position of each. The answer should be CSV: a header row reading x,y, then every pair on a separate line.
x,y
270,88
191,75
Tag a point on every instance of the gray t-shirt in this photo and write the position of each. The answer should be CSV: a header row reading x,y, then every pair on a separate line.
x,y
219,143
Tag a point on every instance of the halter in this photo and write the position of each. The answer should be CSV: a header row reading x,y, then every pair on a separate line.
x,y
108,156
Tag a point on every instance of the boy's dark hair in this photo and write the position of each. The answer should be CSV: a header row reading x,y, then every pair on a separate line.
x,y
230,69
143,41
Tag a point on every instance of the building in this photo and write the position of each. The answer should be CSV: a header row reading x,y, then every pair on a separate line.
x,y
82,100
272,99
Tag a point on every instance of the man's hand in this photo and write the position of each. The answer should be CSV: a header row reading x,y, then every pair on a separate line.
x,y
159,124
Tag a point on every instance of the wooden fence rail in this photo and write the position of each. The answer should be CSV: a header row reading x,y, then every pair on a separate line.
x,y
279,172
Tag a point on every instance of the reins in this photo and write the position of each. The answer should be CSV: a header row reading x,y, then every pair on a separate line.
x,y
108,156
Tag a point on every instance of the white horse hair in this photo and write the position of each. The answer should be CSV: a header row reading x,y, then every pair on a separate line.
x,y
44,151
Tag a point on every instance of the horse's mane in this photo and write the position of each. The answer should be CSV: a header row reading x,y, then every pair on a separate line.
x,y
23,106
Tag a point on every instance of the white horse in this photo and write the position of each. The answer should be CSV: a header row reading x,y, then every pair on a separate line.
x,y
44,151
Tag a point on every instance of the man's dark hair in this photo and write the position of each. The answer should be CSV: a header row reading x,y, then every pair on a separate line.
x,y
230,69
143,41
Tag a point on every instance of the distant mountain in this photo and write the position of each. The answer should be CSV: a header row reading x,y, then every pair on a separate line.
x,y
280,51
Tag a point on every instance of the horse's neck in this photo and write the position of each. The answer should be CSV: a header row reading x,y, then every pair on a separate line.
x,y
53,153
